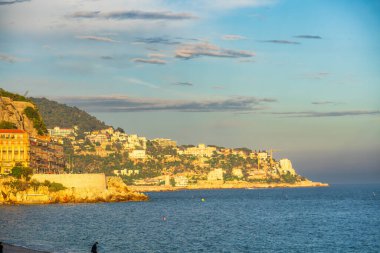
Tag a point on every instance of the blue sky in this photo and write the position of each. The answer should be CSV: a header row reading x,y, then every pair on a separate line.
x,y
299,76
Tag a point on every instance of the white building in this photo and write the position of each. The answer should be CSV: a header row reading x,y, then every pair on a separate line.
x,y
262,155
200,150
181,181
137,154
286,166
215,175
61,132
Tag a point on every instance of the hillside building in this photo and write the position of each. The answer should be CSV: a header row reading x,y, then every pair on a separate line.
x,y
200,150
14,149
61,132
46,156
165,142
215,175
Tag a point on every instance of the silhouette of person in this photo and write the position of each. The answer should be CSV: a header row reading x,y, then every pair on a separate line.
x,y
94,248
1,247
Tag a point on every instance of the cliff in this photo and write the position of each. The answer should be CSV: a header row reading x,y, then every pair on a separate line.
x,y
14,191
22,114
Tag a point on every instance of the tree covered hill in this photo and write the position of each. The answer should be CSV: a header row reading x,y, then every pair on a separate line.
x,y
56,114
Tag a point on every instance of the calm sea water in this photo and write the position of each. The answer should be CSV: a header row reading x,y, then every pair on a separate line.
x,y
342,218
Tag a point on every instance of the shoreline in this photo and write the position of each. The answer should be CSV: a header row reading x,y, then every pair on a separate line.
x,y
11,248
228,186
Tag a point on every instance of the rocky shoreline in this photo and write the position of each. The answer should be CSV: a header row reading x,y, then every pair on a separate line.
x,y
116,191
229,185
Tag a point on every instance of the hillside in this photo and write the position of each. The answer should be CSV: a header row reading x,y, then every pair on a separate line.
x,y
18,112
56,114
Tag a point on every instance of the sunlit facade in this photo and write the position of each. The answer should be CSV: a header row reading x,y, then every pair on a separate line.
x,y
14,149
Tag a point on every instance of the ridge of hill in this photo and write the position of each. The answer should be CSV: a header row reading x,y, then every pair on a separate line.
x,y
57,114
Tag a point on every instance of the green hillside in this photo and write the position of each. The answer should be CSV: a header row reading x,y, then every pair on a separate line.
x,y
56,114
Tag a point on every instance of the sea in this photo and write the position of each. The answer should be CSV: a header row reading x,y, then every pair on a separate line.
x,y
339,218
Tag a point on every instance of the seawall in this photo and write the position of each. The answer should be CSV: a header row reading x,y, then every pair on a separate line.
x,y
79,181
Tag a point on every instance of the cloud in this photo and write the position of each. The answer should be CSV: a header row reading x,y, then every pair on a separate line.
x,y
139,82
157,40
129,104
133,14
183,84
308,37
97,38
281,42
189,51
325,103
314,114
11,59
156,55
233,37
106,57
8,2
149,60
317,76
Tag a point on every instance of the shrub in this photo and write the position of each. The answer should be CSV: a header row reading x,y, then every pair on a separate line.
x,y
54,187
7,125
21,172
35,117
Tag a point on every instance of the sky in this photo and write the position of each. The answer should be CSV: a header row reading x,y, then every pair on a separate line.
x,y
301,77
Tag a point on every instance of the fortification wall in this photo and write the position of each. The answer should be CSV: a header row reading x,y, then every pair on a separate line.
x,y
82,181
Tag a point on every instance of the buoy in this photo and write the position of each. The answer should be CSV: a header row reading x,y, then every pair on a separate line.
x,y
203,200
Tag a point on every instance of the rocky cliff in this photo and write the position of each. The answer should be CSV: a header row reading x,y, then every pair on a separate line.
x,y
13,191
14,112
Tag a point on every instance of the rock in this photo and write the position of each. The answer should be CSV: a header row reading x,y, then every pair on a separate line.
x,y
13,111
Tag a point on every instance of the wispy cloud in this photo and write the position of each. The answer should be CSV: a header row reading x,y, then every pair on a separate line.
x,y
7,2
149,60
106,57
325,103
157,40
314,114
97,38
129,104
308,37
233,37
281,42
133,14
189,51
183,84
317,75
156,55
136,81
11,59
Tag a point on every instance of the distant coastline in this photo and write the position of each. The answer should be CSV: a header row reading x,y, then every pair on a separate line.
x,y
228,185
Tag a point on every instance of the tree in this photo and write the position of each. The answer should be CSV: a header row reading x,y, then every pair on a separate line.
x,y
21,172
7,125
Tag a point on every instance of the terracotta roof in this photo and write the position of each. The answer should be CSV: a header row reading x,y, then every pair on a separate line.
x,y
11,131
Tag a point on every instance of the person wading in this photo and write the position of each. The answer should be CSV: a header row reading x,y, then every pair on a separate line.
x,y
94,248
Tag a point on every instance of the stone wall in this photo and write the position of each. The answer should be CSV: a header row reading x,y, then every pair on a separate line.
x,y
81,181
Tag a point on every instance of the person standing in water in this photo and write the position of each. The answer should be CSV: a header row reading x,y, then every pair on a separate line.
x,y
94,248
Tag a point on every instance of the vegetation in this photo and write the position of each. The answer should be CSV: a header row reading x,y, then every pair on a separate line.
x,y
21,172
7,125
13,96
56,114
35,117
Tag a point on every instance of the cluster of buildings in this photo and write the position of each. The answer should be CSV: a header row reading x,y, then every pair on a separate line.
x,y
103,142
42,154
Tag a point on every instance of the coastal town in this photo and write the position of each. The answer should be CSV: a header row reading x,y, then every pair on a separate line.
x,y
74,154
